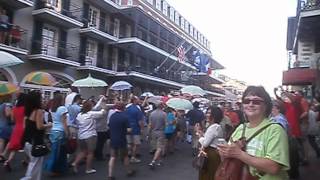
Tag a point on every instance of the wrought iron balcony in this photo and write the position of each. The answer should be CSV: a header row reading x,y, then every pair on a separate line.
x,y
69,16
15,40
56,51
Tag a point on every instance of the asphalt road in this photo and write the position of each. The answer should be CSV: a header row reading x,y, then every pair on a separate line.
x,y
175,167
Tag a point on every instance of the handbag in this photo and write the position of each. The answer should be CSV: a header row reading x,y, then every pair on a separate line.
x,y
39,150
200,161
235,169
71,145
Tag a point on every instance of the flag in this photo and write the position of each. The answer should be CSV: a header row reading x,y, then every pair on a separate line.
x,y
181,53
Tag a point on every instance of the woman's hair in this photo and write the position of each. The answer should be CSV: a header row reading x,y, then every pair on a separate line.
x,y
76,98
216,114
21,100
33,102
262,93
86,106
57,102
279,105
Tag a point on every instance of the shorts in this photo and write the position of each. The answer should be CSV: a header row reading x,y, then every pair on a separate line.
x,y
122,152
159,140
134,139
88,144
169,136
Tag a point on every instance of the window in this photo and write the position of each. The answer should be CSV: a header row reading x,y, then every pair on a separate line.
x,y
171,13
118,2
186,27
158,4
93,17
49,43
165,8
130,2
191,30
53,4
150,2
176,17
182,23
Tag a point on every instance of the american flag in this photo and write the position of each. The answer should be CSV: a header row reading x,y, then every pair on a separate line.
x,y
181,53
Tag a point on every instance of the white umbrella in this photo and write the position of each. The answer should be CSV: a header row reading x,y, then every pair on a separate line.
x,y
179,104
120,85
7,59
155,99
147,94
193,90
89,82
201,100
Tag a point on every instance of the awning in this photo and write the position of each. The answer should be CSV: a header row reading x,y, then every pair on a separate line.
x,y
299,76
7,59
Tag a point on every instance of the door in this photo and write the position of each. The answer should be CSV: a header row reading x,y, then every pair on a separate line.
x,y
49,41
93,17
91,53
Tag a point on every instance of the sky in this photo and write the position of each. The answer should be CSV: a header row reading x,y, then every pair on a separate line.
x,y
248,37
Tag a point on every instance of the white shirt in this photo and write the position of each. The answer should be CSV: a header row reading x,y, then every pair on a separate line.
x,y
87,124
211,136
69,99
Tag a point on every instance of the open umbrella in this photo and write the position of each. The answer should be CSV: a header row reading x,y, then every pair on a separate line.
x,y
8,88
179,104
155,99
193,90
201,100
148,94
7,59
89,82
41,78
120,85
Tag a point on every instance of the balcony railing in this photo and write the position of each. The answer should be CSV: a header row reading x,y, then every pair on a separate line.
x,y
309,5
14,37
101,24
74,11
57,49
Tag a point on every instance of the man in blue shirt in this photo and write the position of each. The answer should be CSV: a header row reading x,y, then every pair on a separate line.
x,y
119,127
135,117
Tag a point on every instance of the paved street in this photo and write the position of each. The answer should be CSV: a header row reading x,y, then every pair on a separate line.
x,y
176,167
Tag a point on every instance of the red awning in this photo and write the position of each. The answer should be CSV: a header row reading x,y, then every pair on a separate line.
x,y
299,76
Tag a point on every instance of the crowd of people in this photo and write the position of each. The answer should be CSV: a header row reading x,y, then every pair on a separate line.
x,y
59,134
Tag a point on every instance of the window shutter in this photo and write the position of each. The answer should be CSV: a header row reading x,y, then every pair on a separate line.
x,y
100,55
37,37
62,48
102,25
85,15
83,45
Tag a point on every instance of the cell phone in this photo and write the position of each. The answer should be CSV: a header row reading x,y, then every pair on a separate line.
x,y
221,141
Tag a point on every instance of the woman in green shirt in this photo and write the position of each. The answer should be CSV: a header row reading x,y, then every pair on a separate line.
x,y
267,153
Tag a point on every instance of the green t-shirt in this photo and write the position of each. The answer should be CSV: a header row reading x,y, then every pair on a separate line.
x,y
271,143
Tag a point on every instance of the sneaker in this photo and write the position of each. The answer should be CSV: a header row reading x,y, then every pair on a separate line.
x,y
159,163
152,165
135,160
90,171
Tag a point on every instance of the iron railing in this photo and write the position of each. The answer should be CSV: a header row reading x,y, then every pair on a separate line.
x,y
15,37
73,11
101,24
55,48
309,5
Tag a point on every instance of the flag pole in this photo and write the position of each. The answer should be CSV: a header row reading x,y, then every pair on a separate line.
x,y
158,67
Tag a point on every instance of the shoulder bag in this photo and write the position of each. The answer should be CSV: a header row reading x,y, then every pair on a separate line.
x,y
235,169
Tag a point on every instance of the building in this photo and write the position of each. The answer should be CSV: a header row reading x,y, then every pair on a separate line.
x,y
234,88
132,40
303,46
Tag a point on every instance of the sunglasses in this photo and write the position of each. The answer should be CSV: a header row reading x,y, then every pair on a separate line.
x,y
254,101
